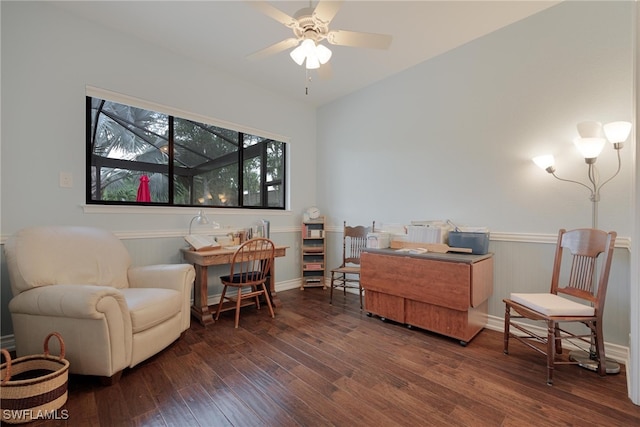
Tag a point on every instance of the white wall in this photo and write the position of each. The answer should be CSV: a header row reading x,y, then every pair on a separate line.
x,y
48,57
452,138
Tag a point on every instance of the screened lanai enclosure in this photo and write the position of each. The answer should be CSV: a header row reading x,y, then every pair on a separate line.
x,y
185,162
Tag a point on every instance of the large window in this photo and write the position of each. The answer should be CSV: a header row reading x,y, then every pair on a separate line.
x,y
138,156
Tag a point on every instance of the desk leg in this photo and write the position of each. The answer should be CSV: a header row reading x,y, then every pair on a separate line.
x,y
275,301
200,307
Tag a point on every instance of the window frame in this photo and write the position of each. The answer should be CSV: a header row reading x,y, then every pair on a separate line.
x,y
259,150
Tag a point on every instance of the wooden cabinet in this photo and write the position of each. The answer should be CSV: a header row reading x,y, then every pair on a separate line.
x,y
313,253
443,293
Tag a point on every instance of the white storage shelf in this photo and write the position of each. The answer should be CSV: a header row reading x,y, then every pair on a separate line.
x,y
313,253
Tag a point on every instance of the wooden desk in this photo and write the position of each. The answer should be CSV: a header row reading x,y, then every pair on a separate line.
x,y
203,259
443,293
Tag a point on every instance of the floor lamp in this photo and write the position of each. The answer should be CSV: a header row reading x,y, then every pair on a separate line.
x,y
590,144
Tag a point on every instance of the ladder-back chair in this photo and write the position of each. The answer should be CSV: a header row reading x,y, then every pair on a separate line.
x,y
573,298
347,275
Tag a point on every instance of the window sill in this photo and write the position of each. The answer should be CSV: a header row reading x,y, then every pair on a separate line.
x,y
176,210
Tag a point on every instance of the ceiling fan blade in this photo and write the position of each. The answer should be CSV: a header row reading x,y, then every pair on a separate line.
x,y
326,10
273,49
356,39
325,72
273,13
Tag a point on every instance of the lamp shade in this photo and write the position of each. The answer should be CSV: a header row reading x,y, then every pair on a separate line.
x,y
323,53
543,162
309,47
617,131
303,51
201,218
312,62
590,148
590,129
298,54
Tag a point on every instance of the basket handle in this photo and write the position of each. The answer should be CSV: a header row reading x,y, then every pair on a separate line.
x,y
46,344
7,375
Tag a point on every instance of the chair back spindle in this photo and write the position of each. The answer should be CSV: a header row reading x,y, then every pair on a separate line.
x,y
252,261
353,243
585,246
581,276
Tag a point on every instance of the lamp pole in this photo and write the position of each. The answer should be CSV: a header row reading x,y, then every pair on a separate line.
x,y
589,360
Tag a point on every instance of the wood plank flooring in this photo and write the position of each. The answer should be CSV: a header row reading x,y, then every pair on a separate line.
x,y
317,364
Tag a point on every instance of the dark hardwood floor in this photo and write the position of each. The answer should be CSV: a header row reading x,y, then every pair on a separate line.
x,y
318,365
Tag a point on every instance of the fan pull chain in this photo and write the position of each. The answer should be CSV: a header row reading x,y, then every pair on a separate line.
x,y
307,82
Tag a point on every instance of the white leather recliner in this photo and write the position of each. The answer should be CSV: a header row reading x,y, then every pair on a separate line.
x,y
79,281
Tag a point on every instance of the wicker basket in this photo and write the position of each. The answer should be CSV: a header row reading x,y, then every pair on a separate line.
x,y
33,387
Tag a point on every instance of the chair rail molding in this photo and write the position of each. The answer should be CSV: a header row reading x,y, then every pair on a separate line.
x,y
503,236
158,234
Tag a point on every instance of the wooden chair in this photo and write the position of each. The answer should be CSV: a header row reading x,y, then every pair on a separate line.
x,y
585,304
250,266
347,275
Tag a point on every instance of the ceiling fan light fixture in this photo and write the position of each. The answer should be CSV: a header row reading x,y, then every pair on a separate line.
x,y
314,54
306,50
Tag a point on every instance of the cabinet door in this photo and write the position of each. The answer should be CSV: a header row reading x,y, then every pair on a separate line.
x,y
482,280
385,305
442,283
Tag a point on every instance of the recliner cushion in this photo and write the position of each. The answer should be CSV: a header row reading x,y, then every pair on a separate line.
x,y
149,307
552,305
52,255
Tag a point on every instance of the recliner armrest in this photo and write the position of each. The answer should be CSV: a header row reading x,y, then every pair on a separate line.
x,y
72,301
168,276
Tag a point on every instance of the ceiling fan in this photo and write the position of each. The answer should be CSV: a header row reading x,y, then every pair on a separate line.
x,y
311,26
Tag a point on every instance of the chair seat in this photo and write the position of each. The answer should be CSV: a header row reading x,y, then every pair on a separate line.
x,y
149,307
240,278
355,269
552,304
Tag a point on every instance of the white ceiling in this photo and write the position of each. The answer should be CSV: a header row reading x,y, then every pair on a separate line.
x,y
221,34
